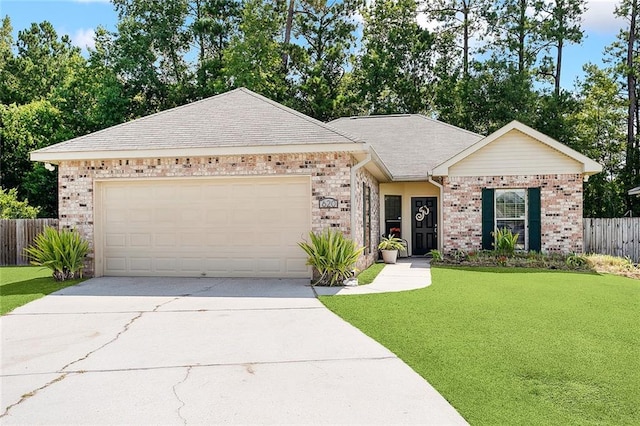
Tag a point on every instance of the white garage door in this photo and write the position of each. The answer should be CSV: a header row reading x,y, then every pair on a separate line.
x,y
227,227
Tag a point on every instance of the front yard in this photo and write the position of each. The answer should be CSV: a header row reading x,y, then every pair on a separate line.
x,y
20,285
513,346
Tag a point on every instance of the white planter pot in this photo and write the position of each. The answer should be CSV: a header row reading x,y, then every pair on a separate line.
x,y
389,256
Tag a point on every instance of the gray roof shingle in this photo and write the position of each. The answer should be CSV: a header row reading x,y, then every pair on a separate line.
x,y
410,145
233,119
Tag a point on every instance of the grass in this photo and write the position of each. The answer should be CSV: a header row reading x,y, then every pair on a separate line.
x,y
20,285
512,346
368,275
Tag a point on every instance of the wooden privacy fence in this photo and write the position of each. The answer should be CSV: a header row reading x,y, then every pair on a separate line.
x,y
16,234
617,237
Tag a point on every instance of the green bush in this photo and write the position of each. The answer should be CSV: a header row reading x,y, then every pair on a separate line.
x,y
436,255
61,251
576,261
505,241
12,208
390,243
332,255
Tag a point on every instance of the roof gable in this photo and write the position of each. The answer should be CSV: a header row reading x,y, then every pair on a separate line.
x,y
528,149
235,119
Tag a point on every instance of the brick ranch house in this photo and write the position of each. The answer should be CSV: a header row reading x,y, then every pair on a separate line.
x,y
227,186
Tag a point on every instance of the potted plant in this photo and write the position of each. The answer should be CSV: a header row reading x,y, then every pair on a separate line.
x,y
389,246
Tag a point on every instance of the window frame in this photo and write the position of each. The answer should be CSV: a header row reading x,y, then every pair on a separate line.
x,y
524,218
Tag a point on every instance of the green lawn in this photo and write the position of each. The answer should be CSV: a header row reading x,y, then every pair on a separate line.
x,y
368,275
20,285
509,346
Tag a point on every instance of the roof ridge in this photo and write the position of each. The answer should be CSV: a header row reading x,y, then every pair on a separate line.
x,y
422,116
300,115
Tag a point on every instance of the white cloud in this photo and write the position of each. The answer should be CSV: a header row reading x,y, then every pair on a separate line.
x,y
599,17
84,38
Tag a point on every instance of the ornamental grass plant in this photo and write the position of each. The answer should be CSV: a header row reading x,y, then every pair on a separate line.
x,y
61,251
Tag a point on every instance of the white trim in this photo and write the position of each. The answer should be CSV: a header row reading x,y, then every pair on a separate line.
x,y
589,167
56,157
440,232
526,212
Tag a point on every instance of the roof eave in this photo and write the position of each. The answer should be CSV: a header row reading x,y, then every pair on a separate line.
x,y
57,156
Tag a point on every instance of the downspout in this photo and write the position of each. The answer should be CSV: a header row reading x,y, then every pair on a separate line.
x,y
352,186
439,234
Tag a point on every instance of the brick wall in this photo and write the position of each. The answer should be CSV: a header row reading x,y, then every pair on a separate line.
x,y
370,256
561,209
330,177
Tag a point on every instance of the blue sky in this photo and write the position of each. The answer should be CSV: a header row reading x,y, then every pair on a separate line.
x,y
79,18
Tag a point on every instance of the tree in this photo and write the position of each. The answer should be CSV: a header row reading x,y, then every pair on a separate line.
x,y
516,32
12,208
561,26
253,58
42,63
23,129
394,70
466,20
599,132
326,31
215,22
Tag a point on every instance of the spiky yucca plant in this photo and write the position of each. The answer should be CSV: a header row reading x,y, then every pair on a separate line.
x,y
332,255
61,251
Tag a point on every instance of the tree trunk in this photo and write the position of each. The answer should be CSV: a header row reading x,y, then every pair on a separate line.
x,y
287,33
465,41
632,112
558,72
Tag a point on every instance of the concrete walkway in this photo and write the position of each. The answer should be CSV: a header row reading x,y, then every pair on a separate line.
x,y
201,351
408,274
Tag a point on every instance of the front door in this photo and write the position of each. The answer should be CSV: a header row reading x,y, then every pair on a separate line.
x,y
424,228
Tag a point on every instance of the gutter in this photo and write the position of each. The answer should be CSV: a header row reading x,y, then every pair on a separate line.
x,y
352,186
439,231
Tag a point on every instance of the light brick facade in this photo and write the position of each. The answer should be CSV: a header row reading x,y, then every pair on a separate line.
x,y
330,177
561,209
370,254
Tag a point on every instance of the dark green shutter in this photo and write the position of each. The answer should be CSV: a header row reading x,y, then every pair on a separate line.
x,y
535,228
487,218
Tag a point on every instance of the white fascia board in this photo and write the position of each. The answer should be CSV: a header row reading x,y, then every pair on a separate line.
x,y
56,157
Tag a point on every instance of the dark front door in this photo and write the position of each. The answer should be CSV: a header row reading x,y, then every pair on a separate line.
x,y
424,228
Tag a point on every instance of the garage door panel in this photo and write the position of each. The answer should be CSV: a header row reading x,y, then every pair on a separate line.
x,y
140,264
206,227
116,264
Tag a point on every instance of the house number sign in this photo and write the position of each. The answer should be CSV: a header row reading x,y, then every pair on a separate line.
x,y
328,203
422,213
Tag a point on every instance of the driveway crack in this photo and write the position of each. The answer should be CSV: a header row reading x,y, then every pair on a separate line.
x,y
28,395
175,392
82,358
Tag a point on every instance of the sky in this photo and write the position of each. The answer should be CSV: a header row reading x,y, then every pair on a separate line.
x,y
80,18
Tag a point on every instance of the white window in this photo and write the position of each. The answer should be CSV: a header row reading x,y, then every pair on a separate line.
x,y
511,213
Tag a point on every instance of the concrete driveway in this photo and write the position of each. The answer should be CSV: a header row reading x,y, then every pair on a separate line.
x,y
189,351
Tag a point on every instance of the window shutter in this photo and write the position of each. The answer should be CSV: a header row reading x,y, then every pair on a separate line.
x,y
535,227
487,218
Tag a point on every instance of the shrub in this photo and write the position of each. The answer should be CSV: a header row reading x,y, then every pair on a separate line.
x,y
436,255
576,261
61,251
332,255
390,243
12,208
505,241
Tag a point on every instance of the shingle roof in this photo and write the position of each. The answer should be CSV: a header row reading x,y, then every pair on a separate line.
x,y
410,145
233,119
